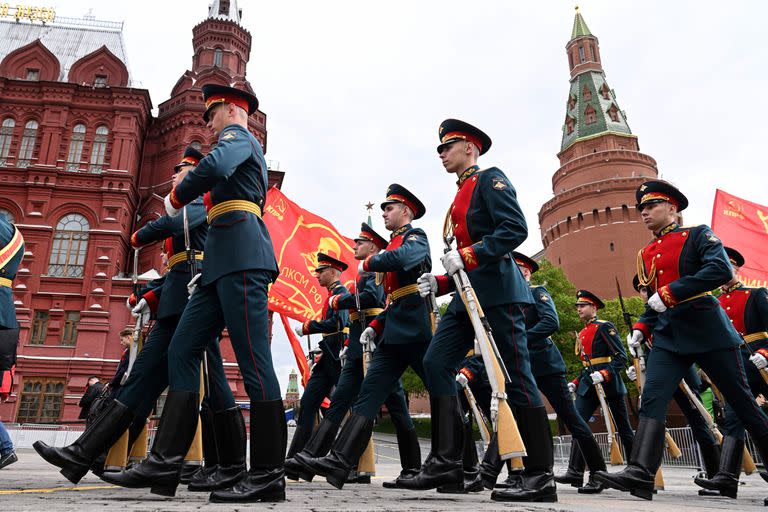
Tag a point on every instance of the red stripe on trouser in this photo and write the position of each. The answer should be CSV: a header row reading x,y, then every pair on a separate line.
x,y
248,335
753,403
517,360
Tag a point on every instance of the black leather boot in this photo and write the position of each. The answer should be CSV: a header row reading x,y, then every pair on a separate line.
x,y
265,482
230,439
318,446
710,456
188,471
492,463
638,477
726,480
76,459
210,450
410,456
593,456
161,469
444,467
574,475
345,453
538,480
301,436
472,482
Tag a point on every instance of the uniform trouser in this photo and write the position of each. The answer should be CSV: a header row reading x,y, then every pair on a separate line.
x,y
555,388
324,376
237,301
149,375
725,369
588,403
348,389
732,426
389,363
455,336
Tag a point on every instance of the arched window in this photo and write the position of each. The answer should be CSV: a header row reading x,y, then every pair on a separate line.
x,y
8,215
6,135
70,243
196,144
76,148
28,140
217,54
99,149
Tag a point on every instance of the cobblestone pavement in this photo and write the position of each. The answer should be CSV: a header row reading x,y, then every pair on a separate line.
x,y
33,485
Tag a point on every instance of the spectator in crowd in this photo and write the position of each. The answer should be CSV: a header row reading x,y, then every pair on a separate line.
x,y
92,391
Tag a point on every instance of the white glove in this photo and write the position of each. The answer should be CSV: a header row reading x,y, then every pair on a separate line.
x,y
462,380
634,340
759,361
632,373
452,262
169,209
656,303
360,270
367,337
192,284
427,284
571,387
343,355
597,377
142,308
128,304
299,331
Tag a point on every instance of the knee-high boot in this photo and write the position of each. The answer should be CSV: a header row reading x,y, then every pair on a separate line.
x,y
444,466
726,480
638,477
230,437
574,475
161,469
76,459
410,456
265,482
317,446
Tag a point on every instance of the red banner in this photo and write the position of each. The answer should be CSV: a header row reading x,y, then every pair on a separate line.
x,y
297,236
743,225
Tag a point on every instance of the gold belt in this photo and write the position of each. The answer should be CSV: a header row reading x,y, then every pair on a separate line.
x,y
694,297
181,258
231,206
344,330
402,292
4,281
369,313
755,336
597,360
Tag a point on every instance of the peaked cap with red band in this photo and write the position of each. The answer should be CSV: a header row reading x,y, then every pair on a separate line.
x,y
587,297
192,156
399,194
452,130
735,256
525,261
324,261
657,191
214,94
368,234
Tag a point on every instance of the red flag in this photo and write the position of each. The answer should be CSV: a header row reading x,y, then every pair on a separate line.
x,y
743,225
297,236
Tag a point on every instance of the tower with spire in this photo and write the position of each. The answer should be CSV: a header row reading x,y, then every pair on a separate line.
x,y
590,228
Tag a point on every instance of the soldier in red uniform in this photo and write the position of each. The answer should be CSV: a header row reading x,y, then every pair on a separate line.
x,y
681,265
747,309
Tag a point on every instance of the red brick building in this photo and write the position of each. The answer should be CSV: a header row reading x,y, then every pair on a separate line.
x,y
591,228
83,163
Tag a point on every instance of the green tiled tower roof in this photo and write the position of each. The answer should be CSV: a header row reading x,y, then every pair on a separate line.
x,y
580,27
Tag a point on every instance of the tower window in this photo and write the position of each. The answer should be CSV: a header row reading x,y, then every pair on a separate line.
x,y
33,74
217,54
569,125
582,56
586,94
571,102
613,112
100,81
612,247
589,115
605,91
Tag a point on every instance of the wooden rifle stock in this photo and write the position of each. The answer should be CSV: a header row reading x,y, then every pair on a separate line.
x,y
367,463
139,448
195,453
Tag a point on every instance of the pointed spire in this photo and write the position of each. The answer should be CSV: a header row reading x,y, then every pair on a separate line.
x,y
580,28
225,9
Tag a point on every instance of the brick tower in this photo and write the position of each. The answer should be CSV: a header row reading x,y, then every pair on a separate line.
x,y
591,228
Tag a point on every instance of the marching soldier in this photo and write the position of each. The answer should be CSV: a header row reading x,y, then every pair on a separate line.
x,y
11,253
335,329
708,444
747,309
371,296
548,368
148,378
682,265
402,329
603,358
488,225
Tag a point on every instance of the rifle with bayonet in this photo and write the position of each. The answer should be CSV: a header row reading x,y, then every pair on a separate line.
x,y
610,424
366,465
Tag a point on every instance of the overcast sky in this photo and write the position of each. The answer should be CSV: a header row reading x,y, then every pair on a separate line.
x,y
354,92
